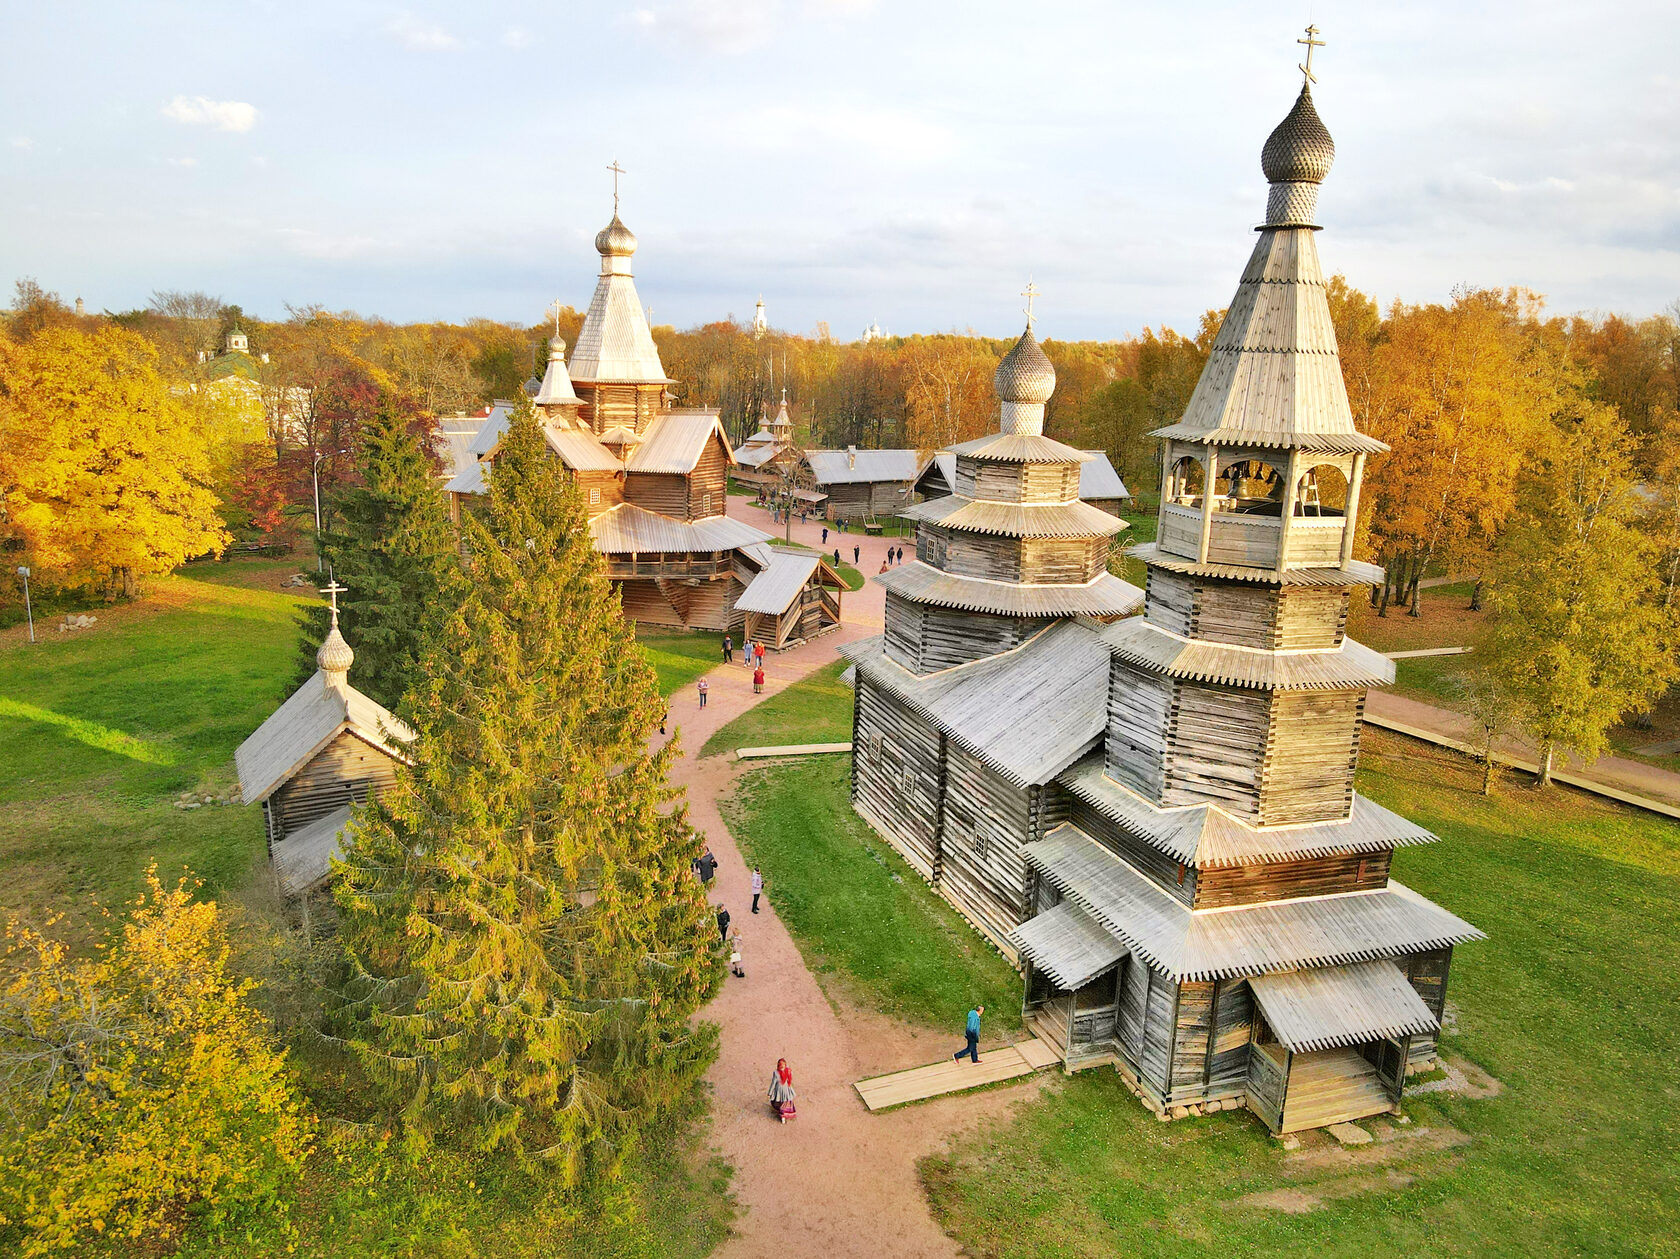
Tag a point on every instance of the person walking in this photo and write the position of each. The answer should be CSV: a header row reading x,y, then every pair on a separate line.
x,y
702,692
836,555
757,887
825,535
705,865
781,1091
760,650
728,649
758,680
664,716
857,552
972,1046
723,931
735,967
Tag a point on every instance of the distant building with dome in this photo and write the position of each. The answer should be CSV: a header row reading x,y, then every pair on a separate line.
x,y
1155,815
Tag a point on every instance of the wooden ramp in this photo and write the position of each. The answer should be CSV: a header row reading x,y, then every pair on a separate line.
x,y
1006,1062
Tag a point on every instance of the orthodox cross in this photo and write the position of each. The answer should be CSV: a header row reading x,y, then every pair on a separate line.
x,y
618,170
332,590
1030,292
554,308
1311,41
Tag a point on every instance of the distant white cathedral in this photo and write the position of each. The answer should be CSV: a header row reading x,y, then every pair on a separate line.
x,y
761,325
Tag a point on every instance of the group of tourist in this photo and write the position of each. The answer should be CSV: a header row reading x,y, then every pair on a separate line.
x,y
752,655
895,556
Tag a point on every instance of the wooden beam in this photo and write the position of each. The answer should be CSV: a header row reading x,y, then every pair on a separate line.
x,y
1351,515
1290,492
1210,475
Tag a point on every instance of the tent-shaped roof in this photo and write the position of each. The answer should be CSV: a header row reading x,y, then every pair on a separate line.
x,y
311,718
773,591
1099,480
615,344
1018,520
1246,939
674,442
1067,946
1106,595
840,467
1341,1005
627,529
1030,712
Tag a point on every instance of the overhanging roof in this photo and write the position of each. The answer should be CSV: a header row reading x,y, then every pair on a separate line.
x,y
1021,448
627,529
1067,946
1099,480
839,467
1018,520
775,589
1334,1006
303,858
1353,573
673,443
312,717
1345,666
580,450
1104,596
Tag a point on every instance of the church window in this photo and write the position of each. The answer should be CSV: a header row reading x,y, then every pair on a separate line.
x,y
594,497
982,843
706,504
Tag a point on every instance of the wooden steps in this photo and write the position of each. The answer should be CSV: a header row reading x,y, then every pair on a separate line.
x,y
1332,1086
1006,1062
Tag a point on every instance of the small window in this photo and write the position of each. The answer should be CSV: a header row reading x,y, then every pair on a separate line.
x,y
594,497
982,843
909,780
705,504
875,746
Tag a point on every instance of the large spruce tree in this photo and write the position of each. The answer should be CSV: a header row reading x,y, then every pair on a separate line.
x,y
526,941
395,552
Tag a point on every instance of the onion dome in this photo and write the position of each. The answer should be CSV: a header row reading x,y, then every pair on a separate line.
x,y
615,240
1299,150
556,390
1026,373
334,656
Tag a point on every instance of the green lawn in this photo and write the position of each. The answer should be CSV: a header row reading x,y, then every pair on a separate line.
x,y
100,731
865,922
1571,1004
679,657
815,709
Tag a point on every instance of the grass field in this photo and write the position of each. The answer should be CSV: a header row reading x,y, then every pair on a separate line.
x,y
1571,1004
867,925
100,732
816,709
679,657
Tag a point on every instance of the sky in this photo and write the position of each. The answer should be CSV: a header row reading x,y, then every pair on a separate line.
x,y
895,162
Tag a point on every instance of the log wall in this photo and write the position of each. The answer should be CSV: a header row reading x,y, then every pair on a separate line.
x,y
1246,614
708,485
1160,868
986,821
602,491
1070,560
1138,708
665,493
1215,740
1312,749
1280,880
896,765
346,771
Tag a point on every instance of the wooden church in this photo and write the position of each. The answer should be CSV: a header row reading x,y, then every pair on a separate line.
x,y
655,480
326,749
1156,815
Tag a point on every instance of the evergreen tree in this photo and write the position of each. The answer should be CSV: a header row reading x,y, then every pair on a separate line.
x,y
526,941
396,554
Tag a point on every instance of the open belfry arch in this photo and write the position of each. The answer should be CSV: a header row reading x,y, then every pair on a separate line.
x,y
1156,815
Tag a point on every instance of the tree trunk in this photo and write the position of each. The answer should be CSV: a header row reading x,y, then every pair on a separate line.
x,y
1544,777
1487,766
1476,596
1417,598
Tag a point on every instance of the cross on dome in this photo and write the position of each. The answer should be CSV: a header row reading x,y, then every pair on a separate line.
x,y
618,170
332,590
1030,292
1311,41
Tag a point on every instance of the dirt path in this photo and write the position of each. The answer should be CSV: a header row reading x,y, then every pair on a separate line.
x,y
837,1181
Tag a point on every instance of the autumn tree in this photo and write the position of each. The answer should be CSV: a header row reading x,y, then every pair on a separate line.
x,y
396,554
1580,630
526,942
139,1083
1157,377
103,475
948,396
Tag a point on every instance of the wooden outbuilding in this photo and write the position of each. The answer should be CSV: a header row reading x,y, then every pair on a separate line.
x,y
1156,815
862,484
327,748
793,599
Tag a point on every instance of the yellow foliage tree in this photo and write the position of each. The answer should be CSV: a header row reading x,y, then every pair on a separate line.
x,y
138,1083
103,468
948,394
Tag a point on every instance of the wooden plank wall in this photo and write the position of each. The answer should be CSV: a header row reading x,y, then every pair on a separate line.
x,y
644,604
1139,705
1134,996
1266,1076
1215,741
1190,1040
707,486
1160,868
986,822
1312,748
1278,880
1428,973
1169,601
1247,615
950,637
1311,616
903,641
710,605
601,491
896,759
664,493
1049,482
1155,1061
1233,1033
999,482
988,555
1074,560
346,770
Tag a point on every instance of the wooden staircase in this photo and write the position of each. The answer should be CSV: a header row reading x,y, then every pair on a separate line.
x,y
1332,1086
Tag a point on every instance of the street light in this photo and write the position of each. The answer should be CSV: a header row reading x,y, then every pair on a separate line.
x,y
315,472
28,610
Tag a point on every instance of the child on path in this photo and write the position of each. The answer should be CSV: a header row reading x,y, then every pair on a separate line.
x,y
781,1090
757,886
760,650
758,680
972,1032
702,692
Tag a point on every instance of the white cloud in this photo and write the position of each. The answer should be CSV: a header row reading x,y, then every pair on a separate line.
x,y
418,36
201,111
22,142
722,26
182,161
515,37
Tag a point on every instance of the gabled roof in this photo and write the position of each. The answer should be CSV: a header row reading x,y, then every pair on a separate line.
x,y
1066,945
1341,1005
674,442
1207,837
303,858
938,476
627,528
313,716
759,438
614,343
491,430
757,456
1349,665
1247,939
1274,377
1105,596
839,467
580,450
453,440
469,480
773,591
1018,520
1098,479
1029,712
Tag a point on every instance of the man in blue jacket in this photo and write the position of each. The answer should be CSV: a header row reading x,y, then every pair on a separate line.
x,y
972,1048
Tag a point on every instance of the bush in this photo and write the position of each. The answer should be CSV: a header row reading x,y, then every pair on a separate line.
x,y
139,1084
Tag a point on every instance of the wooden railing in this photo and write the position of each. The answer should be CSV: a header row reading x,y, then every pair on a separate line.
x,y
1251,540
623,567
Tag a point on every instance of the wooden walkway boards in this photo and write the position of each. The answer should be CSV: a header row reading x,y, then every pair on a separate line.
x,y
791,749
1005,1062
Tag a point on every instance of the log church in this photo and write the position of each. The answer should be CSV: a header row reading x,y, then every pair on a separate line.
x,y
1155,815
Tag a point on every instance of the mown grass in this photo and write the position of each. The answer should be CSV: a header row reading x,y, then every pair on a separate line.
x,y
815,709
866,923
679,657
100,732
1571,1004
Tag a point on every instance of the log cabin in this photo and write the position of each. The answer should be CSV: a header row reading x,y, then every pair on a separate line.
x,y
862,484
1155,816
326,749
654,479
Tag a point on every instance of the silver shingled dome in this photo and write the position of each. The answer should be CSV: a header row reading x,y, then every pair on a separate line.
x,y
1026,373
1300,150
615,240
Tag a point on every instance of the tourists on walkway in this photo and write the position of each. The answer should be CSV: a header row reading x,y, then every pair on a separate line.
x,y
886,562
781,1091
758,680
723,928
972,1047
728,649
735,967
760,650
825,535
705,865
758,887
702,692
836,555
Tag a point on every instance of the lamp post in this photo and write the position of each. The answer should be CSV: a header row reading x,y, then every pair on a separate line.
x,y
315,473
28,609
